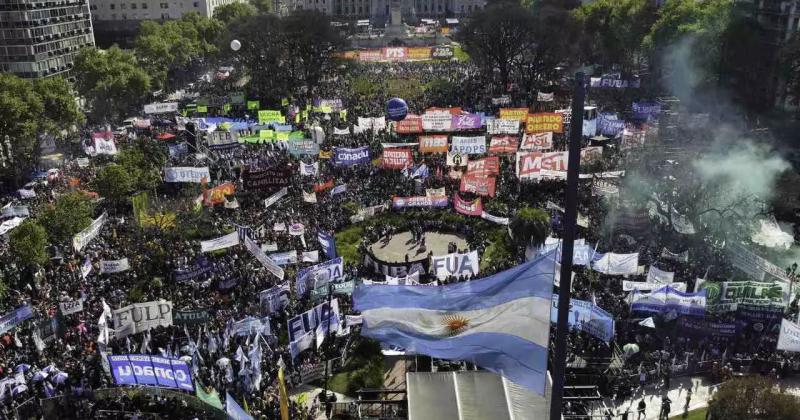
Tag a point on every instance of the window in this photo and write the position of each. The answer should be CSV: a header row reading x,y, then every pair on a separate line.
x,y
196,4
123,6
144,5
112,6
133,6
93,7
164,6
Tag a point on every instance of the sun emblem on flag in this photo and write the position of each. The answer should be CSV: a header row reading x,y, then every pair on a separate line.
x,y
455,324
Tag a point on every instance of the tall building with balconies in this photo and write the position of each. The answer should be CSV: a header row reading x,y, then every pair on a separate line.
x,y
40,38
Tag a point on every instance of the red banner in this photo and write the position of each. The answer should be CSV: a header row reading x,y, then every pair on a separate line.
x,y
395,53
469,208
534,165
456,110
397,158
591,154
411,125
537,141
323,186
504,145
484,167
480,186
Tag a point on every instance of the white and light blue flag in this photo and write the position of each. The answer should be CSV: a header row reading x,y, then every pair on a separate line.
x,y
500,323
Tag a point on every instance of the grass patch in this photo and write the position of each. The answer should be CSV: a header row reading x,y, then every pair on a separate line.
x,y
460,54
338,383
699,414
347,242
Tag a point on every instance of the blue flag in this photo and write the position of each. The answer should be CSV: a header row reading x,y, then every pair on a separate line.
x,y
328,244
501,322
233,409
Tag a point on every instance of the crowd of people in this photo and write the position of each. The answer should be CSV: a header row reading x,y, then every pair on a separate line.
x,y
230,288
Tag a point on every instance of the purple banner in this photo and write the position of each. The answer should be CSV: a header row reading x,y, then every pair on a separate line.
x,y
420,201
141,369
201,266
343,156
465,122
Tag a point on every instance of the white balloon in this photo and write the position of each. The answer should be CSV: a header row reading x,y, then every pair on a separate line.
x,y
235,45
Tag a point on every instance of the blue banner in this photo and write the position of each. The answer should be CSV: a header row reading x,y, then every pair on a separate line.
x,y
178,150
201,266
607,125
274,299
669,300
142,369
586,317
328,243
14,318
702,327
646,109
343,156
320,274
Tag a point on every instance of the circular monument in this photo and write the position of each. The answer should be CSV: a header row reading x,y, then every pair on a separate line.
x,y
395,248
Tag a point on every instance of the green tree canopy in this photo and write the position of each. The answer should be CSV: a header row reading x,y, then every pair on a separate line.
x,y
498,37
753,398
71,213
166,49
114,183
29,244
60,107
530,226
233,12
143,161
263,6
112,81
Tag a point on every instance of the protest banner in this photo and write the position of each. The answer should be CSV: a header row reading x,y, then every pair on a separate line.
x,y
706,328
412,124
161,108
256,251
303,147
456,159
284,258
483,186
628,286
114,266
312,277
504,145
191,317
469,208
396,269
187,174
616,264
71,307
14,318
270,115
489,166
82,238
343,156
495,219
433,144
275,197
667,299
140,369
367,212
396,158
419,201
465,122
538,141
225,241
216,195
15,211
789,337
519,114
475,145
608,82
537,165
501,100
458,265
754,266
140,317
501,126
266,179
274,299
586,317
752,295
307,321
543,122
250,325
437,121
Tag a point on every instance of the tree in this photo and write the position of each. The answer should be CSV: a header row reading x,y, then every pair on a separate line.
x,y
613,31
21,115
143,162
498,36
753,398
234,12
60,108
530,226
112,82
29,244
263,6
114,183
168,49
71,213
285,56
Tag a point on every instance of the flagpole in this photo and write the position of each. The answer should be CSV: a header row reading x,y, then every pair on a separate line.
x,y
568,243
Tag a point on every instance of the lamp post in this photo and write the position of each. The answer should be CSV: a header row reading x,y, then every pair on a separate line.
x,y
567,245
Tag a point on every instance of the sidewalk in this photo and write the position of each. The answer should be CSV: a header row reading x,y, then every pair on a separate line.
x,y
702,391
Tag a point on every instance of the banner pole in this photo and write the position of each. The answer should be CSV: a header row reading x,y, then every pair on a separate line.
x,y
568,242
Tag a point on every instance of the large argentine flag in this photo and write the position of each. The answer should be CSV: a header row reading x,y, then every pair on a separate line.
x,y
501,322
